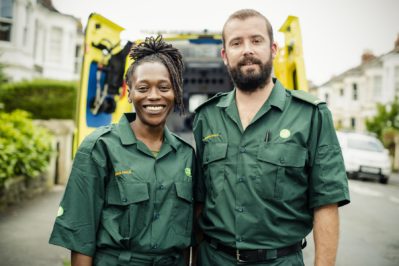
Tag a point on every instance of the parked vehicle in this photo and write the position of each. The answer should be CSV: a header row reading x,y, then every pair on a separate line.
x,y
364,156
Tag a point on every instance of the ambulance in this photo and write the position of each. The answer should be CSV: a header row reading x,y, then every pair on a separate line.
x,y
102,94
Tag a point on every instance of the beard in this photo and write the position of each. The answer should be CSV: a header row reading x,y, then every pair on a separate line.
x,y
251,81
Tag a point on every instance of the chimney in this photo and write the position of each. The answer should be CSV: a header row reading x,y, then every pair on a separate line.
x,y
367,56
396,47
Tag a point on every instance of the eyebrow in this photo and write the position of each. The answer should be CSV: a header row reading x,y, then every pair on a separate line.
x,y
149,81
251,37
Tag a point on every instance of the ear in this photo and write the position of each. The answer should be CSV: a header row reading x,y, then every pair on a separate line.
x,y
128,96
224,56
274,49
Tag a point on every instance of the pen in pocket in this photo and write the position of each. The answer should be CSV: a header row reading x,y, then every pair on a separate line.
x,y
267,136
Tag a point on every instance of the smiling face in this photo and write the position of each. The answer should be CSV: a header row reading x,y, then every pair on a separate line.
x,y
151,94
248,52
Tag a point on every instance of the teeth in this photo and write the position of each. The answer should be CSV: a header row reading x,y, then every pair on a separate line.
x,y
154,108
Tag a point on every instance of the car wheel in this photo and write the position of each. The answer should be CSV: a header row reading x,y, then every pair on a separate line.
x,y
384,180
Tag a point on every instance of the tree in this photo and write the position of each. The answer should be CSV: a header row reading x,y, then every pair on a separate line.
x,y
386,123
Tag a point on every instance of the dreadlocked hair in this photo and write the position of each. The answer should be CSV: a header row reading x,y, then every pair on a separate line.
x,y
157,50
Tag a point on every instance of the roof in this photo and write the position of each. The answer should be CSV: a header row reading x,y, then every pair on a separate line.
x,y
360,68
48,4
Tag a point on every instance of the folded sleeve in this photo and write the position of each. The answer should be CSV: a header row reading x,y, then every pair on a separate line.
x,y
328,180
80,208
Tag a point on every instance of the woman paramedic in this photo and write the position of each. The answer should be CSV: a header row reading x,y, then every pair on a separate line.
x,y
129,198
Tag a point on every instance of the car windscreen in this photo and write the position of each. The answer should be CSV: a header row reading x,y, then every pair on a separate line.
x,y
366,145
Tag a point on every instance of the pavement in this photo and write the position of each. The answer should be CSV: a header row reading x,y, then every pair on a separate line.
x,y
25,230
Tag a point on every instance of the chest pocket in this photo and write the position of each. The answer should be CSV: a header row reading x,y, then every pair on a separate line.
x,y
183,208
128,202
280,172
214,167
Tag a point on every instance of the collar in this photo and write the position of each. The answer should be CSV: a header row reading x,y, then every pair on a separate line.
x,y
125,131
277,97
127,135
170,139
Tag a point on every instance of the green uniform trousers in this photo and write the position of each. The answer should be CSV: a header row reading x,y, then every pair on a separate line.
x,y
209,256
112,258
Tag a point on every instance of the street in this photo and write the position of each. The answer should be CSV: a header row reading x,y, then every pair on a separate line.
x,y
25,230
369,233
369,229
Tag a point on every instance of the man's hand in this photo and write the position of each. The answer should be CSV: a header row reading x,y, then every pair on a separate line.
x,y
325,233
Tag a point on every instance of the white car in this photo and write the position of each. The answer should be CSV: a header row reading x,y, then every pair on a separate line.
x,y
364,156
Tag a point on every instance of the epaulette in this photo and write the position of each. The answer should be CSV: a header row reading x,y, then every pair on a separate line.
x,y
182,140
306,97
90,141
212,99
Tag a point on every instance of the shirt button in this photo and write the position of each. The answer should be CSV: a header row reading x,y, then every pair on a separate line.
x,y
154,246
241,179
124,199
242,149
156,216
240,209
282,161
161,187
239,239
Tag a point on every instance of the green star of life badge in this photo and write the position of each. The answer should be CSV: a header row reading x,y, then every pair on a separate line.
x,y
60,211
187,171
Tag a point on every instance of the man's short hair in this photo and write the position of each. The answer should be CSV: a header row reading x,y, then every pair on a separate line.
x,y
243,14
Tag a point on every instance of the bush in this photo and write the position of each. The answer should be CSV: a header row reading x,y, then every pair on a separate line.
x,y
25,149
44,99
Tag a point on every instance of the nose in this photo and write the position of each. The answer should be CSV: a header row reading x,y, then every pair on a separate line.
x,y
153,94
248,48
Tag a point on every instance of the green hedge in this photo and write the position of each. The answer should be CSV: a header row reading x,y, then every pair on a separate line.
x,y
25,149
44,99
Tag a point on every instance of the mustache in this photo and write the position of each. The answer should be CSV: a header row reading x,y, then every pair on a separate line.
x,y
249,60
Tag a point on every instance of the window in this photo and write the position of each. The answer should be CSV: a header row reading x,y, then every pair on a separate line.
x,y
326,97
353,123
6,9
28,11
341,92
377,86
78,59
368,144
396,78
55,51
354,92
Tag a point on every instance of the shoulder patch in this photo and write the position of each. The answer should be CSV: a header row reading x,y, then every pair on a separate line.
x,y
210,100
182,140
306,97
90,141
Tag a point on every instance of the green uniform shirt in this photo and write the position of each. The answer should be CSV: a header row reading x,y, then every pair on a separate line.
x,y
120,197
260,186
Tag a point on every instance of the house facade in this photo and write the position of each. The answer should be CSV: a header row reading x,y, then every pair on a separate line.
x,y
37,41
352,96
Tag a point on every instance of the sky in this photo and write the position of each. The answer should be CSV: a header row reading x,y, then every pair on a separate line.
x,y
335,33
